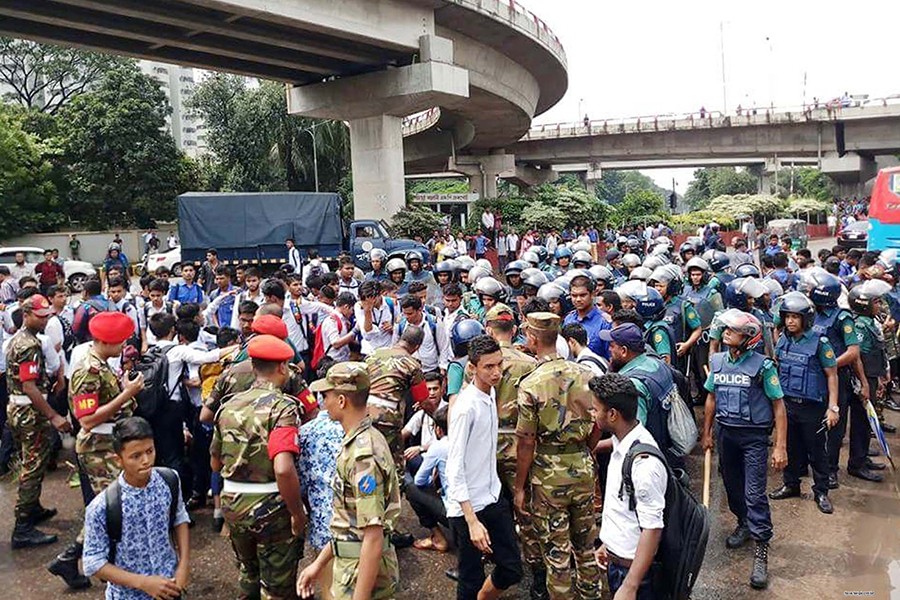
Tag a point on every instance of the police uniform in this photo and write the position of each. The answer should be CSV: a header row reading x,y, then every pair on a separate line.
x,y
516,366
31,429
682,318
802,361
872,351
745,388
554,402
366,493
394,375
661,339
259,521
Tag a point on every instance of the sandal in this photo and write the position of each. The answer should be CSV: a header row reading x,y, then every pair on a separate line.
x,y
429,545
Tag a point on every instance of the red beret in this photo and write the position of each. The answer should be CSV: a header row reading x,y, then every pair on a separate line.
x,y
269,347
111,327
270,325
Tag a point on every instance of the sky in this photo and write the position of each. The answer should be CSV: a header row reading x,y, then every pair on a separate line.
x,y
629,59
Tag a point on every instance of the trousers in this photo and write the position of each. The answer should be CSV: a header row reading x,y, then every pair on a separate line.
x,y
32,433
426,503
806,444
743,457
497,519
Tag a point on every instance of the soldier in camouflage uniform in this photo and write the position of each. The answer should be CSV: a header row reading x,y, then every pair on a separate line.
x,y
395,376
366,494
31,420
555,431
254,445
500,323
97,400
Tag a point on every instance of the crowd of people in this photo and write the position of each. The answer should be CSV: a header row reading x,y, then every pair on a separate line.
x,y
530,412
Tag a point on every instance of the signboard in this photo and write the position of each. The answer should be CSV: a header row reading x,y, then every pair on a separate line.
x,y
444,198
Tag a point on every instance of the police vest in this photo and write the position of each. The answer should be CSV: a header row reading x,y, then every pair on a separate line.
x,y
675,319
740,398
799,370
721,281
828,326
657,377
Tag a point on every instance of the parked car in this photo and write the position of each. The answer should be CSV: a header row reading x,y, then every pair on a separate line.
x,y
171,259
77,271
854,235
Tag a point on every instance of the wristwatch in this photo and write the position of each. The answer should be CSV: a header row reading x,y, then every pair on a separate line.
x,y
834,409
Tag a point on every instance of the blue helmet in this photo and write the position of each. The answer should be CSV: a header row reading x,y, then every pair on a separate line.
x,y
649,304
747,270
718,260
797,303
824,289
462,333
741,289
541,252
563,252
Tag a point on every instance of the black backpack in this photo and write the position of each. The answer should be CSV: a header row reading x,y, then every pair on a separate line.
x,y
83,316
155,367
113,497
683,545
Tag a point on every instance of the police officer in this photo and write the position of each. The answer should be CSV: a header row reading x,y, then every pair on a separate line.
x,y
366,496
501,325
838,326
745,398
650,305
680,314
555,462
513,275
377,258
31,420
707,301
98,400
396,270
254,446
807,370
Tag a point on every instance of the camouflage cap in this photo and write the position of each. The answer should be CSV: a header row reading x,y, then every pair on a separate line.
x,y
499,312
543,321
346,377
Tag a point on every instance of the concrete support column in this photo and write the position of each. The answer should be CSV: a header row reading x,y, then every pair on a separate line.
x,y
376,154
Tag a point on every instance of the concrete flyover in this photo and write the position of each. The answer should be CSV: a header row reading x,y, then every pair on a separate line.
x,y
843,141
479,69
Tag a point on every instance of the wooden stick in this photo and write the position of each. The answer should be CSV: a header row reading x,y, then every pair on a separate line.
x,y
707,473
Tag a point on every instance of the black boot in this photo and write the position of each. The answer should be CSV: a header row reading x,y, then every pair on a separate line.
x,y
402,540
41,514
739,537
65,565
759,577
539,583
785,491
25,535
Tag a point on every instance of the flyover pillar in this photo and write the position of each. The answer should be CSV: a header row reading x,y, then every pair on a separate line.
x,y
376,156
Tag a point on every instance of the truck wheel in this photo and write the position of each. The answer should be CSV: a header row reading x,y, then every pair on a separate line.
x,y
76,282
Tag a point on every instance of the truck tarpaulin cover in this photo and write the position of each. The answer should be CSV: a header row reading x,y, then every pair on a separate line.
x,y
215,220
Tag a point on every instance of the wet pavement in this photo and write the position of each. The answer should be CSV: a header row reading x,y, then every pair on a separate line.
x,y
813,556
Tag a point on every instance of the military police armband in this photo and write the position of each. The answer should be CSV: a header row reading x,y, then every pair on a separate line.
x,y
84,405
283,439
307,401
29,371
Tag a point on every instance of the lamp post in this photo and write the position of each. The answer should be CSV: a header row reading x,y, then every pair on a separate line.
x,y
309,130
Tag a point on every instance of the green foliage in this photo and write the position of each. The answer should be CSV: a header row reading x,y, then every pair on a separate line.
x,y
543,217
808,182
709,183
760,206
640,206
806,206
689,222
415,221
122,167
449,185
29,197
614,185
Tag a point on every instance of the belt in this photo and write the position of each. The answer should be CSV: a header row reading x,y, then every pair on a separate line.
x,y
618,560
803,400
230,486
103,429
383,403
20,399
351,548
571,448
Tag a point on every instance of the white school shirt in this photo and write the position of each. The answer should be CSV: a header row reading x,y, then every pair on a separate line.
x,y
375,338
330,335
184,356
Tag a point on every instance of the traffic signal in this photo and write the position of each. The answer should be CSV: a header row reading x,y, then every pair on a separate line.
x,y
673,200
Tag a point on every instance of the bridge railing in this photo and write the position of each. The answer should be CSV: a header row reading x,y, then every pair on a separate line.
x,y
828,111
421,121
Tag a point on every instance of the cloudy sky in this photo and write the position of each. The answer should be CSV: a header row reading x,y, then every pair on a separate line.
x,y
645,58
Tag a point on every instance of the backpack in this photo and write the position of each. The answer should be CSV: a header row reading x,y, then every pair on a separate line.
x,y
155,367
69,340
113,497
686,532
83,316
594,360
319,348
315,271
432,323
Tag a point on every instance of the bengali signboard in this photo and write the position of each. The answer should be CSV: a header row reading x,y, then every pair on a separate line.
x,y
444,198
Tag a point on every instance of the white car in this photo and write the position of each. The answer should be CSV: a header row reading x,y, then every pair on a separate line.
x,y
171,259
77,271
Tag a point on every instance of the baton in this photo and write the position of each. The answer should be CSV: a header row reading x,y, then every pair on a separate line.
x,y
707,468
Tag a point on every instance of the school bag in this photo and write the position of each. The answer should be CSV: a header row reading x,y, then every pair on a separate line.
x,y
83,316
319,344
686,527
113,498
155,367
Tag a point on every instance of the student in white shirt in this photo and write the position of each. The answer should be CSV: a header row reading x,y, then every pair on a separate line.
x,y
336,331
293,256
315,266
434,353
422,422
376,317
480,520
157,304
630,538
346,281
575,336
116,292
253,293
512,244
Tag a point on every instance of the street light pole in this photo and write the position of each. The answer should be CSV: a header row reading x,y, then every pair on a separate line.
x,y
315,155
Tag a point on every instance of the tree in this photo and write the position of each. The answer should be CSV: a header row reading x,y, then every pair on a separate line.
x,y
708,183
44,77
29,198
641,206
121,164
416,221
808,182
613,185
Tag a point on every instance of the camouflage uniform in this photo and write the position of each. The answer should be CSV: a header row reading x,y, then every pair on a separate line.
x,y
31,430
516,365
239,377
260,524
93,385
392,373
554,402
366,492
